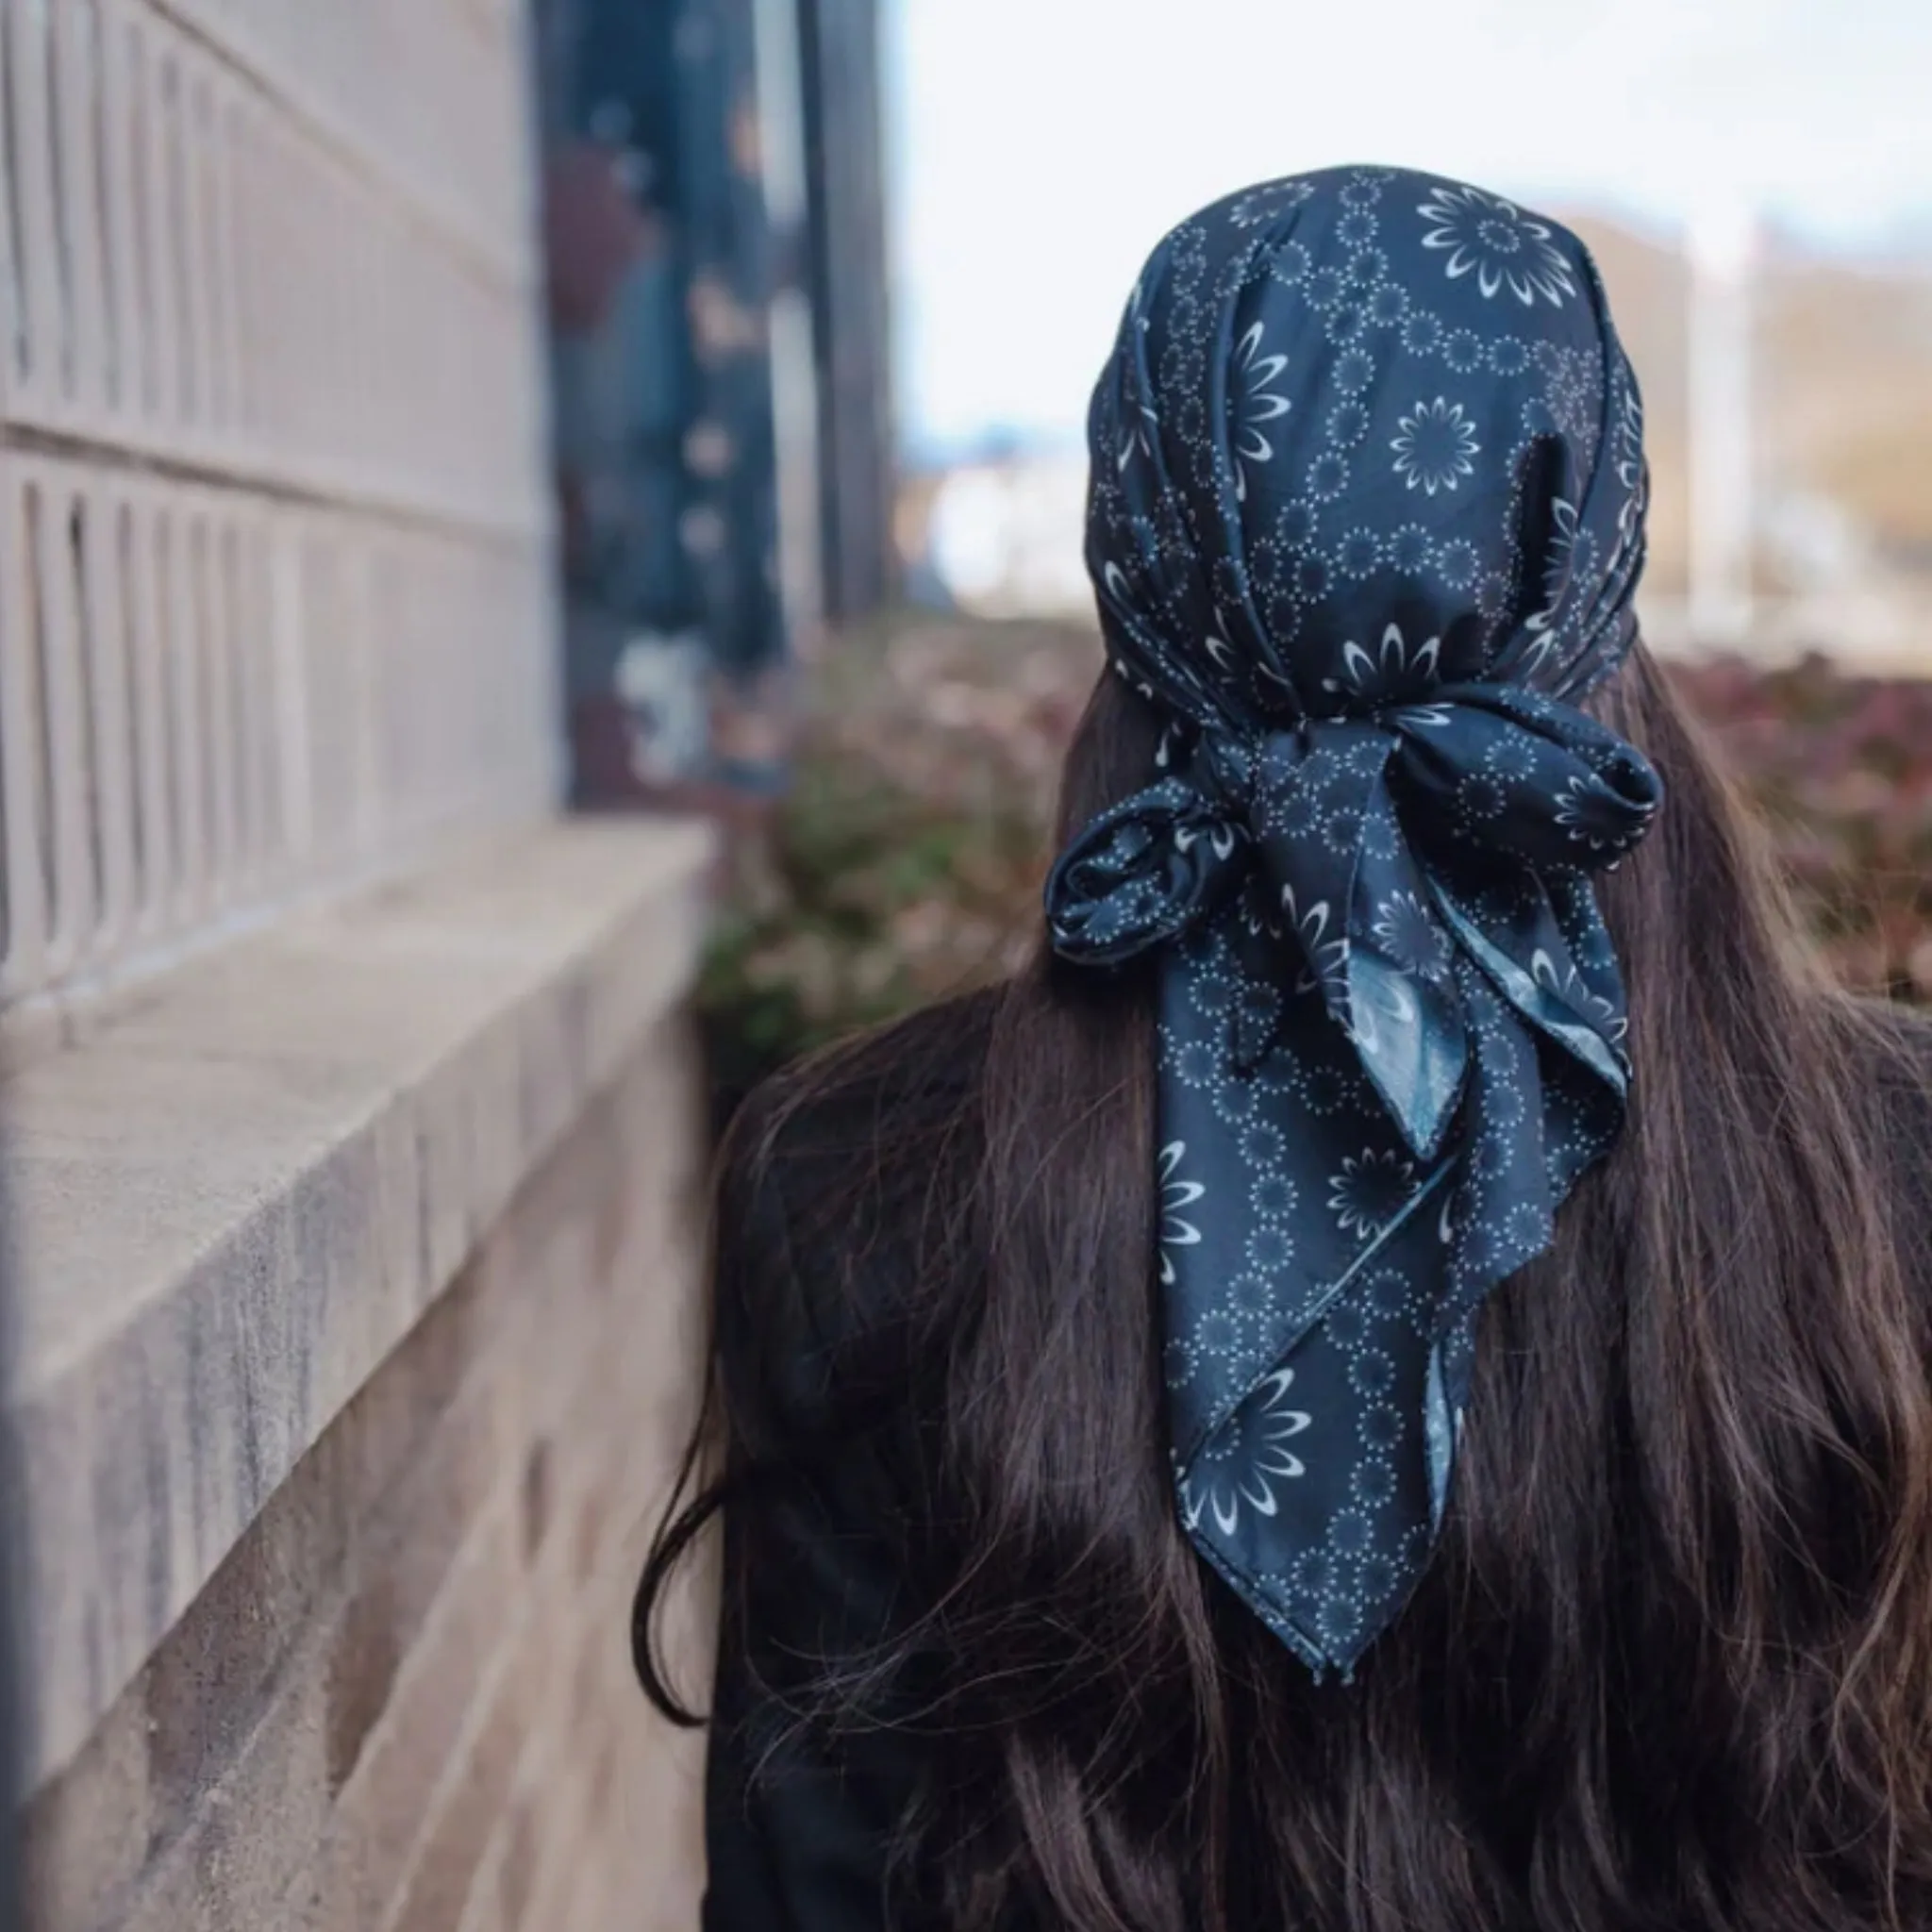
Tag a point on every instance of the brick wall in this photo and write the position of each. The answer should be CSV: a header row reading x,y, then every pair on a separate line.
x,y
405,1698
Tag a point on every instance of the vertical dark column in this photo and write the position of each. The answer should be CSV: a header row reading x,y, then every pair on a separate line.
x,y
844,142
659,274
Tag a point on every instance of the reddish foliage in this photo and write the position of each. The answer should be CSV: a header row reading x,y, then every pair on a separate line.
x,y
1841,767
907,861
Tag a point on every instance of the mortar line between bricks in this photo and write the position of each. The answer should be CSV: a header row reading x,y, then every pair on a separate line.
x,y
322,1621
594,1618
531,1600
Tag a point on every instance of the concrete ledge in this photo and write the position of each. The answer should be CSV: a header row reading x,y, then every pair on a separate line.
x,y
228,1207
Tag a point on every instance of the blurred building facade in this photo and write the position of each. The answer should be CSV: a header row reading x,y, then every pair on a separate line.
x,y
723,447
350,1135
1788,400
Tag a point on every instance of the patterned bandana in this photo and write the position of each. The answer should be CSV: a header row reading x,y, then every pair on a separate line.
x,y
1367,509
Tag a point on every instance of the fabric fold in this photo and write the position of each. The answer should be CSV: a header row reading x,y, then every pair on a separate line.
x,y
1363,531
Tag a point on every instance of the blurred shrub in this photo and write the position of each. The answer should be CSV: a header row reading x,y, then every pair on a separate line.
x,y
905,864
1840,766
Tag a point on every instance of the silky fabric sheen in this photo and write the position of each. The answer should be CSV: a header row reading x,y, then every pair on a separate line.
x,y
1366,517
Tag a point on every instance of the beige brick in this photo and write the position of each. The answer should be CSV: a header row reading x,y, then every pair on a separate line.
x,y
85,1836
405,1698
365,1853
438,1889
239,1195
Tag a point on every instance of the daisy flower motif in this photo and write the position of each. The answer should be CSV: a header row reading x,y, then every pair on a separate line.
x,y
1256,404
1369,1191
1326,951
1241,1464
1175,1194
1578,811
1395,669
1567,557
1436,447
1136,436
1409,934
1506,250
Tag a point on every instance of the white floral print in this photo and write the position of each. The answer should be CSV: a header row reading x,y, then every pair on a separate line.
x,y
1396,669
1175,1196
1575,993
1255,406
1369,1191
1436,447
1494,240
1409,934
1136,436
1578,810
1352,516
1557,562
1326,954
1240,1464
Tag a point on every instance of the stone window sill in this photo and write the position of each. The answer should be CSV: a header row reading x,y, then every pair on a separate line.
x,y
228,1204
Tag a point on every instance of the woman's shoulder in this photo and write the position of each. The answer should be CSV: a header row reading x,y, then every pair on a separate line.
x,y
840,1182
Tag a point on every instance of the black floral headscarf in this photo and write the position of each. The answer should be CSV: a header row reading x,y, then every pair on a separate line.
x,y
1366,516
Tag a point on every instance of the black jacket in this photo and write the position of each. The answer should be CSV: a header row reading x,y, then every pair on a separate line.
x,y
815,1274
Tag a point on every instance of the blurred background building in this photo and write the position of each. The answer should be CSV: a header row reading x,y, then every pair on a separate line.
x,y
717,302
1759,196
411,418
417,418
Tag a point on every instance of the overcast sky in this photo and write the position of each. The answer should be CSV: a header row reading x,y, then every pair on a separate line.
x,y
1041,147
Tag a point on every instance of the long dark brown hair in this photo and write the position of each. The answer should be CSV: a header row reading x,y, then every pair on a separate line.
x,y
1672,1665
